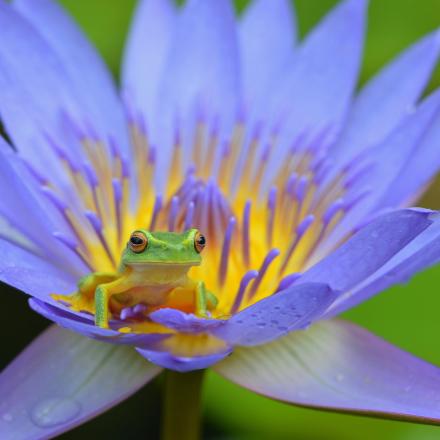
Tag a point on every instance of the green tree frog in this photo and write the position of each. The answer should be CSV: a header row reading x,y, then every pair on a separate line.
x,y
153,272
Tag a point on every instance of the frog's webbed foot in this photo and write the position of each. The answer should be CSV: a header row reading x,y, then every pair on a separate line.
x,y
76,301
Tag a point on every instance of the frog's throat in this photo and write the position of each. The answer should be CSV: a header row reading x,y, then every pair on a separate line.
x,y
159,273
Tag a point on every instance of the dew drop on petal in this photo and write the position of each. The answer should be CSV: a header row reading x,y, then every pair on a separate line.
x,y
54,411
261,324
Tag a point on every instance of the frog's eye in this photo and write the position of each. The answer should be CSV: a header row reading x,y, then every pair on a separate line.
x,y
138,242
199,242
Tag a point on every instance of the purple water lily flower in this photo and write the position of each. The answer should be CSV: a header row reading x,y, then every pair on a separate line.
x,y
300,184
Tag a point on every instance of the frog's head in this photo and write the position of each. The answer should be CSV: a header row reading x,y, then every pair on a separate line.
x,y
164,248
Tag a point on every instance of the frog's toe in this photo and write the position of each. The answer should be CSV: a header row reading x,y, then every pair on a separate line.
x,y
67,299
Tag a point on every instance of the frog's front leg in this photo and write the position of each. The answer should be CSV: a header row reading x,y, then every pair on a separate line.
x,y
205,300
103,294
87,284
83,298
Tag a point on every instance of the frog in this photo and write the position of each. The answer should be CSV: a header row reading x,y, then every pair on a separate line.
x,y
153,273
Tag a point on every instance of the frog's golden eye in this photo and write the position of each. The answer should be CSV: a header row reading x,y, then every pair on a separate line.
x,y
138,242
199,242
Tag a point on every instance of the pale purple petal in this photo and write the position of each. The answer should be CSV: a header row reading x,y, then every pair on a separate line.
x,y
421,166
389,159
292,309
35,90
203,60
146,50
201,76
86,326
183,364
184,322
32,274
369,249
267,34
316,92
388,97
62,380
18,203
419,254
338,366
90,77
22,202
401,147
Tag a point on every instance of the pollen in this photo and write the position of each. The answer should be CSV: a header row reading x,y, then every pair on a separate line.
x,y
124,330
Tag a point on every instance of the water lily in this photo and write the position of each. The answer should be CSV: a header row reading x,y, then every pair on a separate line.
x,y
300,184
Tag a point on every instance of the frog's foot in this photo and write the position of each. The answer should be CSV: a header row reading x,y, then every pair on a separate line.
x,y
134,312
76,301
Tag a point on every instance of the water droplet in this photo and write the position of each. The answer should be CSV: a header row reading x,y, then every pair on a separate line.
x,y
253,315
54,411
7,417
282,328
277,308
239,321
261,324
274,322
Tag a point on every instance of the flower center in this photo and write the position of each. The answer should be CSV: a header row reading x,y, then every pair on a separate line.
x,y
267,207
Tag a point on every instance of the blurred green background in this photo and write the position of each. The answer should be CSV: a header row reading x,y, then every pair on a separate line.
x,y
405,315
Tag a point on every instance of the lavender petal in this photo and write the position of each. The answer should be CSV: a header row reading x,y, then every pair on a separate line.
x,y
184,322
385,100
182,364
146,51
267,32
61,380
338,366
292,309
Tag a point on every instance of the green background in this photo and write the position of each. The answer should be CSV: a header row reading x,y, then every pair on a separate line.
x,y
405,315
